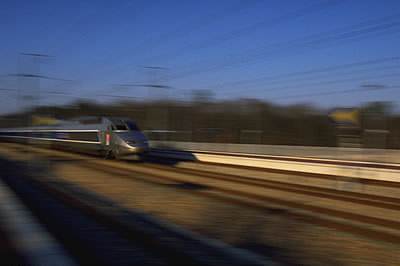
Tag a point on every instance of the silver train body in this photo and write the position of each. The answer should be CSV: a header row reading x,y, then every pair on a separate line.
x,y
106,136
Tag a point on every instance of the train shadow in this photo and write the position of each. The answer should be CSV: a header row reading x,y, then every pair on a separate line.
x,y
167,156
189,186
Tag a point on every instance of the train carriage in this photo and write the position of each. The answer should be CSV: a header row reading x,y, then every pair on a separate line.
x,y
110,137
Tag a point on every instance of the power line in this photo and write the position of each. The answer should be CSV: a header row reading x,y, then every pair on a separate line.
x,y
197,23
46,92
189,26
144,85
33,54
81,21
248,29
39,76
87,17
363,89
324,82
286,48
305,73
153,67
340,37
341,81
126,85
120,96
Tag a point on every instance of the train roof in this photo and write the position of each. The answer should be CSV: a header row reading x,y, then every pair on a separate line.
x,y
79,123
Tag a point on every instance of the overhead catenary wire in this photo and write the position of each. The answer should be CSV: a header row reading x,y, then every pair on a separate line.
x,y
285,76
332,92
80,20
120,96
382,27
258,26
318,83
84,19
278,50
246,30
176,33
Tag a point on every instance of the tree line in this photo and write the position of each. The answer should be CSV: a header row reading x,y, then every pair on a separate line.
x,y
248,121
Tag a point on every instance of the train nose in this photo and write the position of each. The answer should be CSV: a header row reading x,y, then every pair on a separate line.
x,y
133,143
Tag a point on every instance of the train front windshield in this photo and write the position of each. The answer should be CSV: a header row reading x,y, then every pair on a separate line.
x,y
124,125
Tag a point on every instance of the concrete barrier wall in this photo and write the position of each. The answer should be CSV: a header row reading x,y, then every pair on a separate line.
x,y
374,171
336,153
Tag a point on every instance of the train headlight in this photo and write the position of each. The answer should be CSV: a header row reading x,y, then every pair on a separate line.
x,y
130,142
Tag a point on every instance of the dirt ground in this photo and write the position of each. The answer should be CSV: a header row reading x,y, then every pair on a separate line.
x,y
283,239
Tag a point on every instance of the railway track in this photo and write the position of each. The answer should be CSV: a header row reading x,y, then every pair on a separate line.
x,y
96,231
245,199
211,185
354,197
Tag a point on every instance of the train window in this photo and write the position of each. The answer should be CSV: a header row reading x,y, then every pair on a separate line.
x,y
81,136
131,125
119,125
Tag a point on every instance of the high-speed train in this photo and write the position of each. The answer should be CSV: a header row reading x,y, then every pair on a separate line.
x,y
110,137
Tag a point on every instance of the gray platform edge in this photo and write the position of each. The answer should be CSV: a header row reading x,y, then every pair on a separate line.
x,y
338,153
